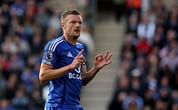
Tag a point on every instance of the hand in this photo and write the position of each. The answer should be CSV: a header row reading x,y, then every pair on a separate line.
x,y
78,60
102,60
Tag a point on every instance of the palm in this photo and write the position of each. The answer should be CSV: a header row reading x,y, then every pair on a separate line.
x,y
102,60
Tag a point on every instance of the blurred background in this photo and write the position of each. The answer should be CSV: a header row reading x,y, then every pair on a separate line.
x,y
141,34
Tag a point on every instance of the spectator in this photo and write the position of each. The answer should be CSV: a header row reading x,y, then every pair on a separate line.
x,y
5,18
11,86
20,101
149,57
37,101
146,28
18,8
2,86
132,23
5,105
133,101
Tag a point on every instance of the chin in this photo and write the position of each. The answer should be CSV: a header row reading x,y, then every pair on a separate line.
x,y
76,37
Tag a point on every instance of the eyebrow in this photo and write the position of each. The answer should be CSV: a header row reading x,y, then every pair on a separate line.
x,y
80,21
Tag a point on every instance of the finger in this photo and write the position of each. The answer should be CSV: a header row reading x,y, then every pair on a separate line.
x,y
80,53
99,56
109,57
81,60
106,54
81,57
108,62
84,69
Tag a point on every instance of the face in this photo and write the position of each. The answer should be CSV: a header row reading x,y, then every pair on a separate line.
x,y
72,26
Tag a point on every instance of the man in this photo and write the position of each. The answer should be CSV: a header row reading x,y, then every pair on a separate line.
x,y
63,65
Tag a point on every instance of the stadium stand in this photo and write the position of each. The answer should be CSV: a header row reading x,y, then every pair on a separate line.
x,y
148,74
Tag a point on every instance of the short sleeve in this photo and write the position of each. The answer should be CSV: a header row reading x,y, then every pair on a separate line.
x,y
49,55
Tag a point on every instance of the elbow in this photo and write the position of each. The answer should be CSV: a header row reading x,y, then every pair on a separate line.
x,y
42,79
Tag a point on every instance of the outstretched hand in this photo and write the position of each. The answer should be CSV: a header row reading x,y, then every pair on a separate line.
x,y
102,60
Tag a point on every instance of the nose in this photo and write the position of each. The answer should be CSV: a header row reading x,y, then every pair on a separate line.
x,y
78,24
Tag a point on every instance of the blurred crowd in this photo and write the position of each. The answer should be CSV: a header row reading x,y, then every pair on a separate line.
x,y
148,74
25,27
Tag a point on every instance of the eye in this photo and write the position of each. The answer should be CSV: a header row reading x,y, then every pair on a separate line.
x,y
73,22
80,22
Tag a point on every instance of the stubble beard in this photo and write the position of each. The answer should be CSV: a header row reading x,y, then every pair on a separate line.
x,y
75,37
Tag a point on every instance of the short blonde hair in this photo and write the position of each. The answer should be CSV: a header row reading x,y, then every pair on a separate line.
x,y
69,12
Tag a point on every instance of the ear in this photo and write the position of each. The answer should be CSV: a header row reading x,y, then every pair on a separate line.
x,y
62,23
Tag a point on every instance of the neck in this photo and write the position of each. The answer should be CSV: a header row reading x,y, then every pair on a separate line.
x,y
70,39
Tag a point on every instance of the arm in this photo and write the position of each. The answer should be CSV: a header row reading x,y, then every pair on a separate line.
x,y
88,76
48,73
100,61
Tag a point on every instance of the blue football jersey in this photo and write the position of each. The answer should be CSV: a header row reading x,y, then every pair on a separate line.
x,y
64,90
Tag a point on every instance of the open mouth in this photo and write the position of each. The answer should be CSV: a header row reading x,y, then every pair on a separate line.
x,y
77,30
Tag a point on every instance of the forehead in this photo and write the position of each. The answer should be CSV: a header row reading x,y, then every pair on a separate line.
x,y
73,18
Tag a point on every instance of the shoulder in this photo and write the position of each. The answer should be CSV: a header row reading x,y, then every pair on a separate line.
x,y
51,45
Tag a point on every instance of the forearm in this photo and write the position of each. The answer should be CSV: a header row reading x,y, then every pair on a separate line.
x,y
88,76
101,61
47,74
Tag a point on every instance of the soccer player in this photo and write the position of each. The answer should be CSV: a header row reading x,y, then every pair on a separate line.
x,y
63,65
